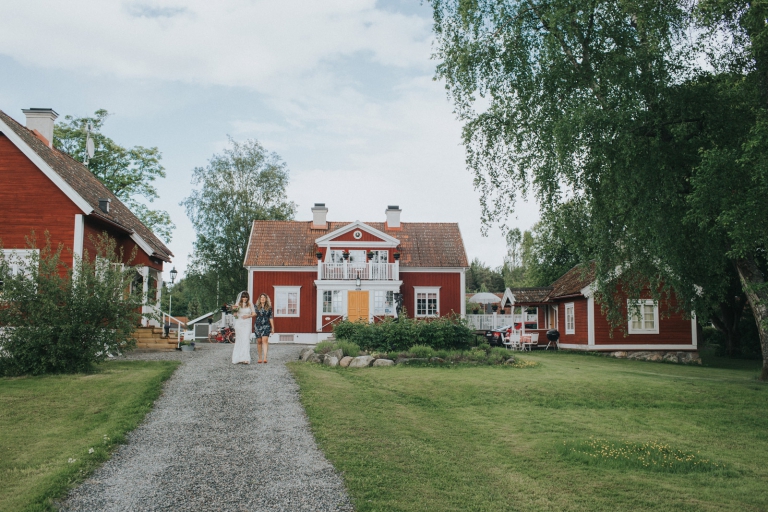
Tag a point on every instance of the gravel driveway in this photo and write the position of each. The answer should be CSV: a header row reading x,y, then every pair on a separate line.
x,y
221,437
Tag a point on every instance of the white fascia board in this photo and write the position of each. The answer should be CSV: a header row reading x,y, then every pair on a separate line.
x,y
588,291
694,330
142,244
323,240
248,249
312,269
364,286
356,243
46,169
433,270
660,347
508,295
200,318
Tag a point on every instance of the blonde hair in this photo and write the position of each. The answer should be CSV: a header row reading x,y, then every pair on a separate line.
x,y
269,302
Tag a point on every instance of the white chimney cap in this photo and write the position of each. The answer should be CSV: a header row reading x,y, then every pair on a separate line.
x,y
319,214
41,119
393,216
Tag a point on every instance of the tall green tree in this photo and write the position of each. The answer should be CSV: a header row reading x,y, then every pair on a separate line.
x,y
242,184
129,173
659,133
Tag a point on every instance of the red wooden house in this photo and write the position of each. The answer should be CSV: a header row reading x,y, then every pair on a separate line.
x,y
318,272
569,306
43,189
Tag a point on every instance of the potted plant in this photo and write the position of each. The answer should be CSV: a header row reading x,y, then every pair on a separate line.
x,y
495,307
187,346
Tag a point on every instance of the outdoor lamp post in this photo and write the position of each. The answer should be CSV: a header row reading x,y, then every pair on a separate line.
x,y
174,273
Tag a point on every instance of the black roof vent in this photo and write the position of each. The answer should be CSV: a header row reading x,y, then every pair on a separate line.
x,y
104,205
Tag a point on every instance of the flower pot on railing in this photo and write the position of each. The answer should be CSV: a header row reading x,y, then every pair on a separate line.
x,y
345,254
370,255
319,255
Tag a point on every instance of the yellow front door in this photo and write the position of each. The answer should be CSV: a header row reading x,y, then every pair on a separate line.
x,y
357,306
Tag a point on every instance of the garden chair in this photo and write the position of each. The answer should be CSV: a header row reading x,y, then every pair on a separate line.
x,y
525,342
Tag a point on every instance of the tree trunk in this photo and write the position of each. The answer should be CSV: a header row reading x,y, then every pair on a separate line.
x,y
753,282
728,318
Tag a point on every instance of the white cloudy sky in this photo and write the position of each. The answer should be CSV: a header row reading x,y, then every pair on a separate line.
x,y
342,90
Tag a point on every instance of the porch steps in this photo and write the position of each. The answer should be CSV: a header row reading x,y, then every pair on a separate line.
x,y
150,339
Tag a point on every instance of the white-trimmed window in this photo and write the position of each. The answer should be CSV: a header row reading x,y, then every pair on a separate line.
x,y
531,315
570,319
334,256
427,301
333,302
643,316
19,259
287,300
383,302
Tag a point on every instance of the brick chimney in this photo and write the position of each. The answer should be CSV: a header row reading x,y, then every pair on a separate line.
x,y
41,120
393,217
319,213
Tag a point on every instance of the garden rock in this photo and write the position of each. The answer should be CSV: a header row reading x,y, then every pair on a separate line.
x,y
383,362
655,358
315,358
331,360
638,355
511,360
437,360
620,354
408,360
361,362
338,353
306,353
670,358
345,361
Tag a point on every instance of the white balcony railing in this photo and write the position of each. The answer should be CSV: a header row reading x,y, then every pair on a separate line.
x,y
365,271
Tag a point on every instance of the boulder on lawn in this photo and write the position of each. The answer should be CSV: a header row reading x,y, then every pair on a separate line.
x,y
402,360
436,359
511,360
315,358
306,353
344,362
338,353
331,360
684,357
383,362
361,362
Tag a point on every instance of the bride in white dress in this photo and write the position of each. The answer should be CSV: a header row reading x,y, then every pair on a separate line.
x,y
242,350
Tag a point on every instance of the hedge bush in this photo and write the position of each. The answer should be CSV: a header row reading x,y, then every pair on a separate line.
x,y
390,335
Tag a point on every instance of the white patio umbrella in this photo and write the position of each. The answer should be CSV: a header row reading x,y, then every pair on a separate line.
x,y
484,298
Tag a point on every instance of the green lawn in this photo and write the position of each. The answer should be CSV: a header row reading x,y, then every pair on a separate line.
x,y
47,421
544,438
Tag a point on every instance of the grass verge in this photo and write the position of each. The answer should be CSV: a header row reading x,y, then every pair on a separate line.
x,y
499,438
55,430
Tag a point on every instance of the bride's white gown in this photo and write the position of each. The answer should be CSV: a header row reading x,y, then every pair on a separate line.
x,y
242,350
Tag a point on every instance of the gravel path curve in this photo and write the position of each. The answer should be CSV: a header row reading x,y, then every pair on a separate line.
x,y
221,437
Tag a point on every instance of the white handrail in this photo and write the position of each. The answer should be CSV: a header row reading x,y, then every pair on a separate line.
x,y
178,326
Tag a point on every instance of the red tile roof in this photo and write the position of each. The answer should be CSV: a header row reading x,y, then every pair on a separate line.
x,y
88,187
292,243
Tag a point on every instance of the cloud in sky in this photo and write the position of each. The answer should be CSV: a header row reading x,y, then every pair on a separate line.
x,y
342,90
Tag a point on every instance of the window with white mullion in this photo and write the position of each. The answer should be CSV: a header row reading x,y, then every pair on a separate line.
x,y
570,319
643,317
427,302
332,302
287,300
383,302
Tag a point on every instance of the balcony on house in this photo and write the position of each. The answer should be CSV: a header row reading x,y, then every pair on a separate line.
x,y
366,271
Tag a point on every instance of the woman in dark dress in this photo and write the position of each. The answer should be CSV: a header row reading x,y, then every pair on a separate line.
x,y
263,326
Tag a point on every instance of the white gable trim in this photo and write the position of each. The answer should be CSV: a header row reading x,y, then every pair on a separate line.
x,y
388,241
141,243
45,168
508,296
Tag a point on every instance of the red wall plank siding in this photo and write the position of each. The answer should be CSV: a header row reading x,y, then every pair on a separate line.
x,y
93,229
674,330
350,237
30,201
451,294
264,282
580,318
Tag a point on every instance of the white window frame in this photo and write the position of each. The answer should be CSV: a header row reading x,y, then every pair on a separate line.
x,y
642,304
525,317
336,302
570,317
281,291
18,259
380,303
426,290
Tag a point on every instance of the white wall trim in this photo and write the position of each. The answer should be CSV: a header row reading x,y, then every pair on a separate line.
x,y
590,320
694,330
36,159
325,240
364,285
248,248
579,346
142,244
77,246
572,307
250,286
463,289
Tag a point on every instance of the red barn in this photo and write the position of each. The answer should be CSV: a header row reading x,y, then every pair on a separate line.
x,y
318,272
43,189
568,305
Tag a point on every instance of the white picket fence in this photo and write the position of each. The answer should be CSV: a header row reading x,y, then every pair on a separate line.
x,y
485,322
